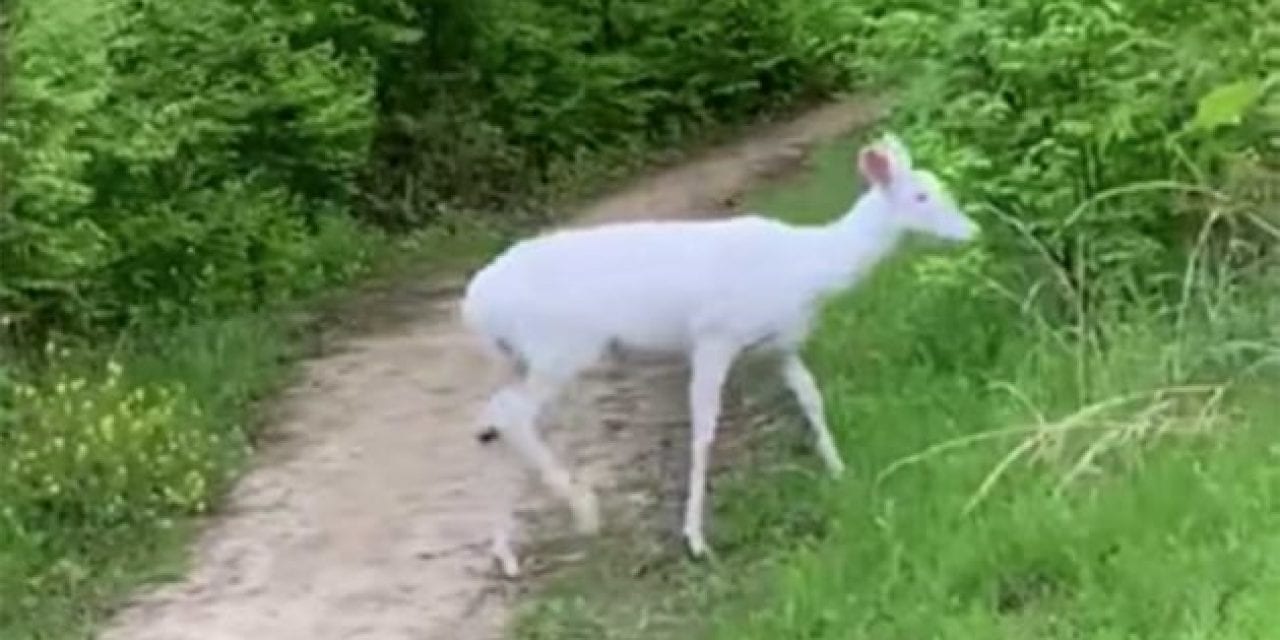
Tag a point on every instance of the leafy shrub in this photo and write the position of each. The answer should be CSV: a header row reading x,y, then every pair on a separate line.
x,y
147,143
546,84
238,247
1069,123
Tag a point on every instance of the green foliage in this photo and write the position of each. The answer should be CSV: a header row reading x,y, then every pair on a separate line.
x,y
549,86
1226,105
162,156
1066,122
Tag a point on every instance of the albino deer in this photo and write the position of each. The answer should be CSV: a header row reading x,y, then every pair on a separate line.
x,y
554,305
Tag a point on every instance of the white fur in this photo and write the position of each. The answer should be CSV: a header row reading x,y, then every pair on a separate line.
x,y
554,305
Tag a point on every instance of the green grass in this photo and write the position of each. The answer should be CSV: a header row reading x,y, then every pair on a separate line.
x,y
110,453
1171,530
108,528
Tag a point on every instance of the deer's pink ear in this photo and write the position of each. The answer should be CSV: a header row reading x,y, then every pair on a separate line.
x,y
873,162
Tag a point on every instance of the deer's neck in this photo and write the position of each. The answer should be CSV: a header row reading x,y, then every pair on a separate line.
x,y
848,248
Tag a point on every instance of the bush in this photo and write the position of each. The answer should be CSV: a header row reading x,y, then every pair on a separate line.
x,y
542,85
1072,126
148,144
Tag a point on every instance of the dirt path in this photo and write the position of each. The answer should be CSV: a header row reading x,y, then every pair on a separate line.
x,y
365,518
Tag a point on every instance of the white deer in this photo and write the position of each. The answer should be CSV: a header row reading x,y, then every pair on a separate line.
x,y
554,305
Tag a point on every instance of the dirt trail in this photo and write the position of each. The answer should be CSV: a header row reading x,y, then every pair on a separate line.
x,y
365,517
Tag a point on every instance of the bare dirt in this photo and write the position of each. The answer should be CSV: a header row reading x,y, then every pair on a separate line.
x,y
368,512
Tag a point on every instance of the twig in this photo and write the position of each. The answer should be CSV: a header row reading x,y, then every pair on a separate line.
x,y
1073,422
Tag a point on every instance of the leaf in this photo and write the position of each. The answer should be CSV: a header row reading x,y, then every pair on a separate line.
x,y
396,34
1226,105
